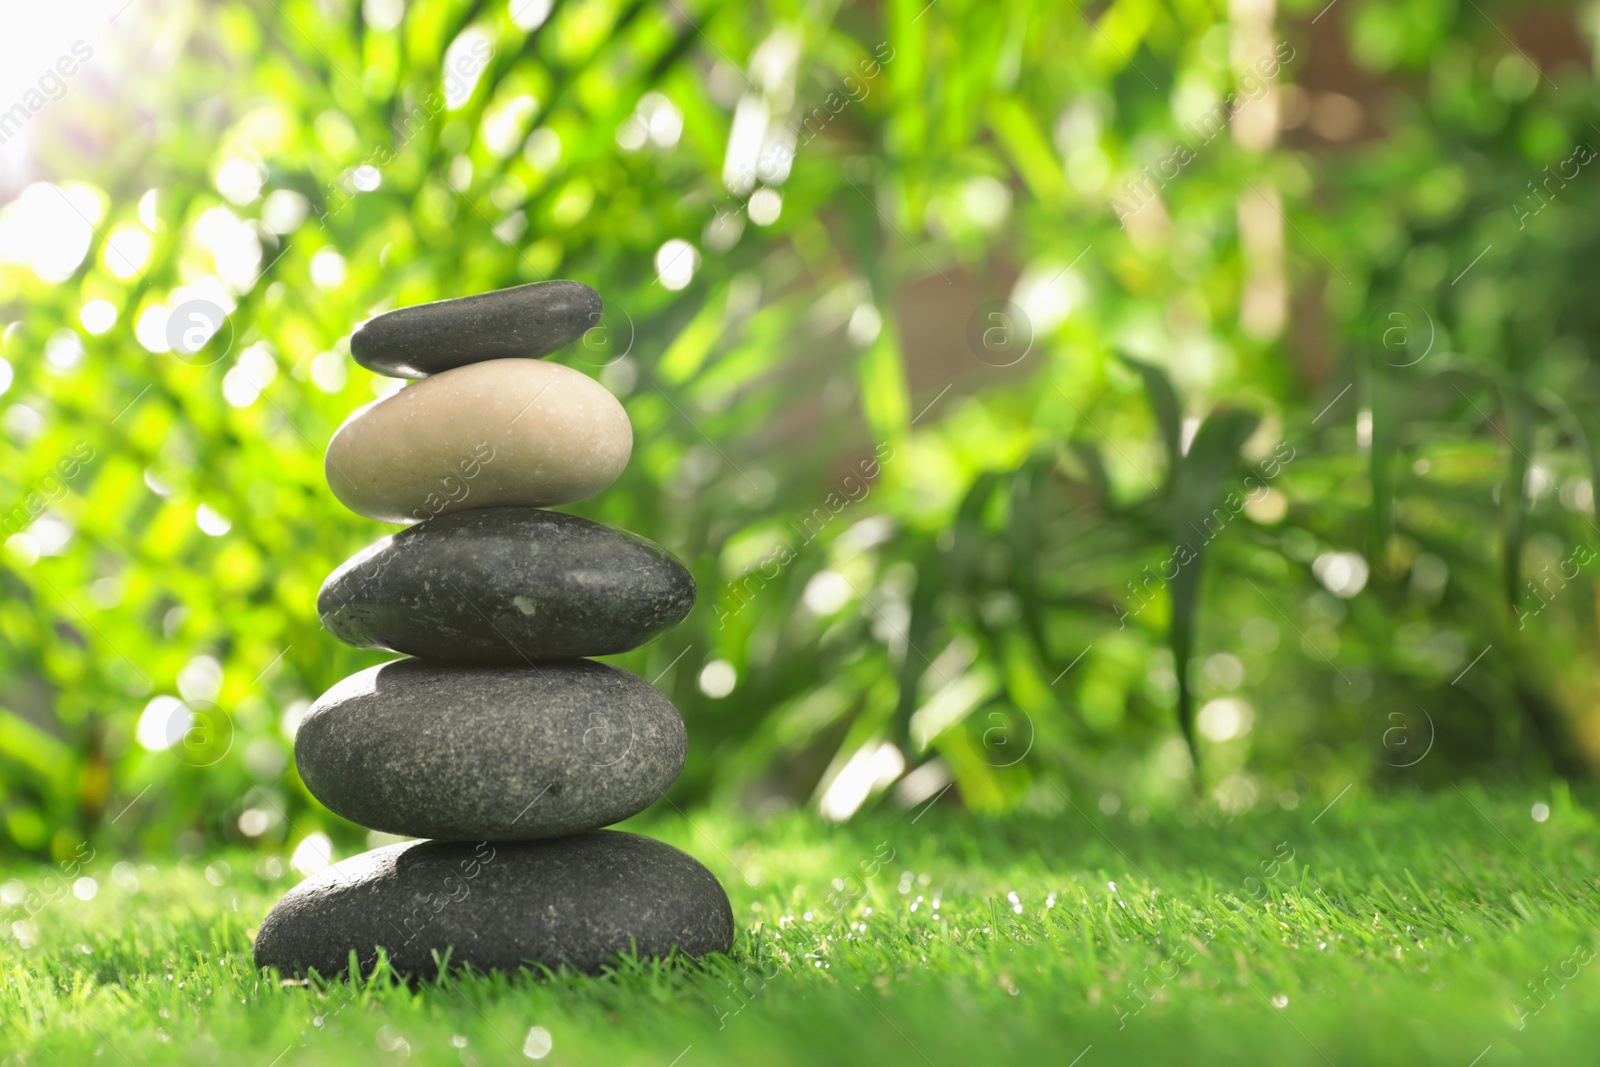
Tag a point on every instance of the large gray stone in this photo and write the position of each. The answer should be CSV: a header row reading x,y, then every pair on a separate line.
x,y
506,585
524,321
503,753
579,901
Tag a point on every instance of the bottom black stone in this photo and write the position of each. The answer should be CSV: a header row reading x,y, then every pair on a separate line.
x,y
579,901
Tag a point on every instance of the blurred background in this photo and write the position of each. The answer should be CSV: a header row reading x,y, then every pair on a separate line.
x,y
1122,403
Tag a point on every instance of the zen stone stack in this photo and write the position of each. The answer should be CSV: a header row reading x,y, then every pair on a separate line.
x,y
494,738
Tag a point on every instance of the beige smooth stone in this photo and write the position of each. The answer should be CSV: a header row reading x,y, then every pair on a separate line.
x,y
504,432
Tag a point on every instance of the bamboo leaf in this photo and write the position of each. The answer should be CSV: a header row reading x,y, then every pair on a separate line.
x,y
1166,407
1199,513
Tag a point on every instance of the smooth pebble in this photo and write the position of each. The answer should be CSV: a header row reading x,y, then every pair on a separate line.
x,y
525,321
506,432
507,585
579,901
506,753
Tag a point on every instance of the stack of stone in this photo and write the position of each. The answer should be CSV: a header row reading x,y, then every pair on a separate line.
x,y
494,739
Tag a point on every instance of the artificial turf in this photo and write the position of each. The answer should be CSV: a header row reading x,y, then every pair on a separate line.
x,y
1451,929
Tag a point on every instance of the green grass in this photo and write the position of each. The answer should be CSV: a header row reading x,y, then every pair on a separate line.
x,y
1402,930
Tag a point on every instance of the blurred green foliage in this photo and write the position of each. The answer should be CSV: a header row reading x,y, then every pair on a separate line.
x,y
1029,352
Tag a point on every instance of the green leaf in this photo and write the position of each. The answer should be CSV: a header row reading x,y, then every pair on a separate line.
x,y
1199,515
1166,407
1514,495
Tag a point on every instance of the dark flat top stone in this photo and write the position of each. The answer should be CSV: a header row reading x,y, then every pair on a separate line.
x,y
526,320
506,585
505,753
579,901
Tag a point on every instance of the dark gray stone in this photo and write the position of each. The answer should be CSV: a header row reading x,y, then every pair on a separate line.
x,y
506,585
526,320
504,753
497,906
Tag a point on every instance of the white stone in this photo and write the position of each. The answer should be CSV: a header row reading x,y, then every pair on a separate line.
x,y
504,432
